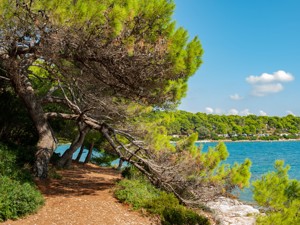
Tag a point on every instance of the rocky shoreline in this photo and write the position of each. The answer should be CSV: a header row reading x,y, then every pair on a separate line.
x,y
228,211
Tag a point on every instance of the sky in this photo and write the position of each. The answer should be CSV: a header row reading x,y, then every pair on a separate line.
x,y
251,61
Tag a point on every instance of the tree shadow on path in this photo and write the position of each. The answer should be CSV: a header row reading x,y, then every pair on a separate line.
x,y
80,180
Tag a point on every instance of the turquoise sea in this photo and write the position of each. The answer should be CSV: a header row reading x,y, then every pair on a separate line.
x,y
262,155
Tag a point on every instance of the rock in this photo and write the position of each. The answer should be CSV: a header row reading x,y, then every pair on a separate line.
x,y
232,212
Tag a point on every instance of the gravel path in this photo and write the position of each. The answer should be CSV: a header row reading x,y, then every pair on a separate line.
x,y
83,197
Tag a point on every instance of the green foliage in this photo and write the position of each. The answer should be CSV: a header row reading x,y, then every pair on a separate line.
x,y
17,199
240,174
13,163
225,175
188,144
218,127
141,194
182,216
135,26
156,136
279,195
18,195
7,161
135,192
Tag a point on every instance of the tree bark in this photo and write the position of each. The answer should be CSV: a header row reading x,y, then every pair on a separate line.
x,y
66,160
89,155
80,153
47,142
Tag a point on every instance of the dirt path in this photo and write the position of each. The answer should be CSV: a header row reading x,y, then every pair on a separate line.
x,y
84,196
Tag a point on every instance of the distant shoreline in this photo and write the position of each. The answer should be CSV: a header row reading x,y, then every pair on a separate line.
x,y
227,140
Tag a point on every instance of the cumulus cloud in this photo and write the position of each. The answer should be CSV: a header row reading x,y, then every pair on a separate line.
x,y
268,83
209,110
245,112
279,76
233,112
262,113
264,89
236,97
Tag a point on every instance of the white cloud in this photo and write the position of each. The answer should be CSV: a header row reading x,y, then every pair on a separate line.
x,y
279,76
233,112
268,83
218,111
236,97
264,89
209,110
262,113
245,112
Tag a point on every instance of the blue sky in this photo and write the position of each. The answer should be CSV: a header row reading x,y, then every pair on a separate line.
x,y
251,62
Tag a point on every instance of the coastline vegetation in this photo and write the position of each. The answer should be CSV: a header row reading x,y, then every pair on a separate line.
x,y
229,127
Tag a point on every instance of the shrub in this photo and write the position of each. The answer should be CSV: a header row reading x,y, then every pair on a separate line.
x,y
18,196
17,199
158,204
279,195
182,216
141,194
7,161
135,192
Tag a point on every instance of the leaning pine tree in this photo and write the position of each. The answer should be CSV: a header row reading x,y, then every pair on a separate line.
x,y
88,54
90,61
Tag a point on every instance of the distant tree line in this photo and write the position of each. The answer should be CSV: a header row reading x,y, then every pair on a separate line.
x,y
220,127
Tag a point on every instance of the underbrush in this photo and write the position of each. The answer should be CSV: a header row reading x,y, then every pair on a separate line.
x,y
19,195
138,192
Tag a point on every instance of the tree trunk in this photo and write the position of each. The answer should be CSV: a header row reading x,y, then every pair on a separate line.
x,y
120,164
80,153
47,142
89,155
66,160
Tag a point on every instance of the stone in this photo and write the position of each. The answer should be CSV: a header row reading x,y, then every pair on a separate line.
x,y
232,212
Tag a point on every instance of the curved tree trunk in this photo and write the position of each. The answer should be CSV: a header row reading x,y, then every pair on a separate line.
x,y
47,142
89,155
66,160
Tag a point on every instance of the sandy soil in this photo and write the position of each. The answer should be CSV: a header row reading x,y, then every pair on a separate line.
x,y
83,197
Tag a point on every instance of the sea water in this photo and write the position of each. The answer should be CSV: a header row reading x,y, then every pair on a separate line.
x,y
262,155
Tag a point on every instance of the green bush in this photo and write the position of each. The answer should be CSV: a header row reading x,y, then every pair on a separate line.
x,y
18,196
17,199
159,203
141,194
182,216
135,192
7,161
12,166
279,195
